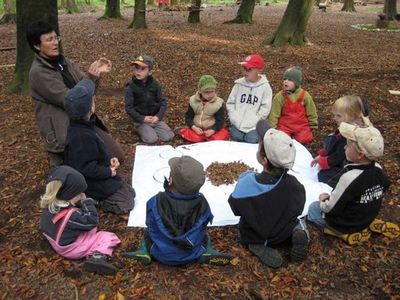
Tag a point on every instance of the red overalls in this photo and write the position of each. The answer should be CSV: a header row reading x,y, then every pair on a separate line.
x,y
293,120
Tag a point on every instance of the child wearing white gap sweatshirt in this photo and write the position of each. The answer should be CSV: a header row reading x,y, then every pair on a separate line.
x,y
249,101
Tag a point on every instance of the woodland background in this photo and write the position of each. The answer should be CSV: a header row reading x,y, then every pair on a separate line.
x,y
340,60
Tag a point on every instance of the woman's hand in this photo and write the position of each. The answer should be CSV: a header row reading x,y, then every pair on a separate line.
x,y
100,66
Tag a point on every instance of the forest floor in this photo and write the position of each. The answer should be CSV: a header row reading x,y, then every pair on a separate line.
x,y
341,60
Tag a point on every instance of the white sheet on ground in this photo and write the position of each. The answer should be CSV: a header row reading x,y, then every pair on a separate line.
x,y
151,165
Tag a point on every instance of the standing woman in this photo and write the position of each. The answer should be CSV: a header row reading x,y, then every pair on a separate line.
x,y
50,77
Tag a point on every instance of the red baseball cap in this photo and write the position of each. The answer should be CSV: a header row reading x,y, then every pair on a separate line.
x,y
253,61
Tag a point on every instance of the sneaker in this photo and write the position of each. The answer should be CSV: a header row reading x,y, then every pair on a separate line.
x,y
350,238
215,258
268,256
141,255
388,229
97,263
299,249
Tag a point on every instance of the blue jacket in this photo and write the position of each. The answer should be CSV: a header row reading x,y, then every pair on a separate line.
x,y
177,226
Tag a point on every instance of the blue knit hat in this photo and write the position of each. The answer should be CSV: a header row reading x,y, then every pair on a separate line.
x,y
78,100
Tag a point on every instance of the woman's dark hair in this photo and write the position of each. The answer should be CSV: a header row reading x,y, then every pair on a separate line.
x,y
35,30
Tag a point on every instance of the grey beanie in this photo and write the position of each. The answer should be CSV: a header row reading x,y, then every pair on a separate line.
x,y
78,100
73,182
294,74
187,174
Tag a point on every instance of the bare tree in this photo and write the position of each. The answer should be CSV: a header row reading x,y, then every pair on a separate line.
x,y
348,5
72,7
112,10
139,16
293,24
245,12
390,9
29,11
9,15
194,12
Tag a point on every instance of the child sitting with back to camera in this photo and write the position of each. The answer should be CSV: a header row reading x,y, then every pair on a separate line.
x,y
331,158
205,115
249,101
350,211
293,110
177,220
146,104
269,213
69,222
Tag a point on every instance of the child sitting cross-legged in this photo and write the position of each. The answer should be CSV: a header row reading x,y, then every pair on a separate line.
x,y
293,110
350,211
69,222
177,220
249,101
206,114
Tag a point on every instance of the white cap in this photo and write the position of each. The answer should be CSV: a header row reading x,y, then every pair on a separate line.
x,y
279,148
368,139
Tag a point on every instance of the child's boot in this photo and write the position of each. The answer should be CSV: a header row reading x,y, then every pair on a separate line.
x,y
350,238
268,256
141,255
213,257
299,250
98,263
388,229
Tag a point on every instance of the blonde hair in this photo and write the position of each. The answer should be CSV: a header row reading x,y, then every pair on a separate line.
x,y
352,107
49,199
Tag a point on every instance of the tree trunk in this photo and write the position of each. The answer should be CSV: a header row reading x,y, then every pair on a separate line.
x,y
390,9
348,5
139,16
245,12
9,15
293,24
63,4
72,7
112,10
194,12
29,11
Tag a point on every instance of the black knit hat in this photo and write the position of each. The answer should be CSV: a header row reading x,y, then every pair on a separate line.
x,y
73,182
